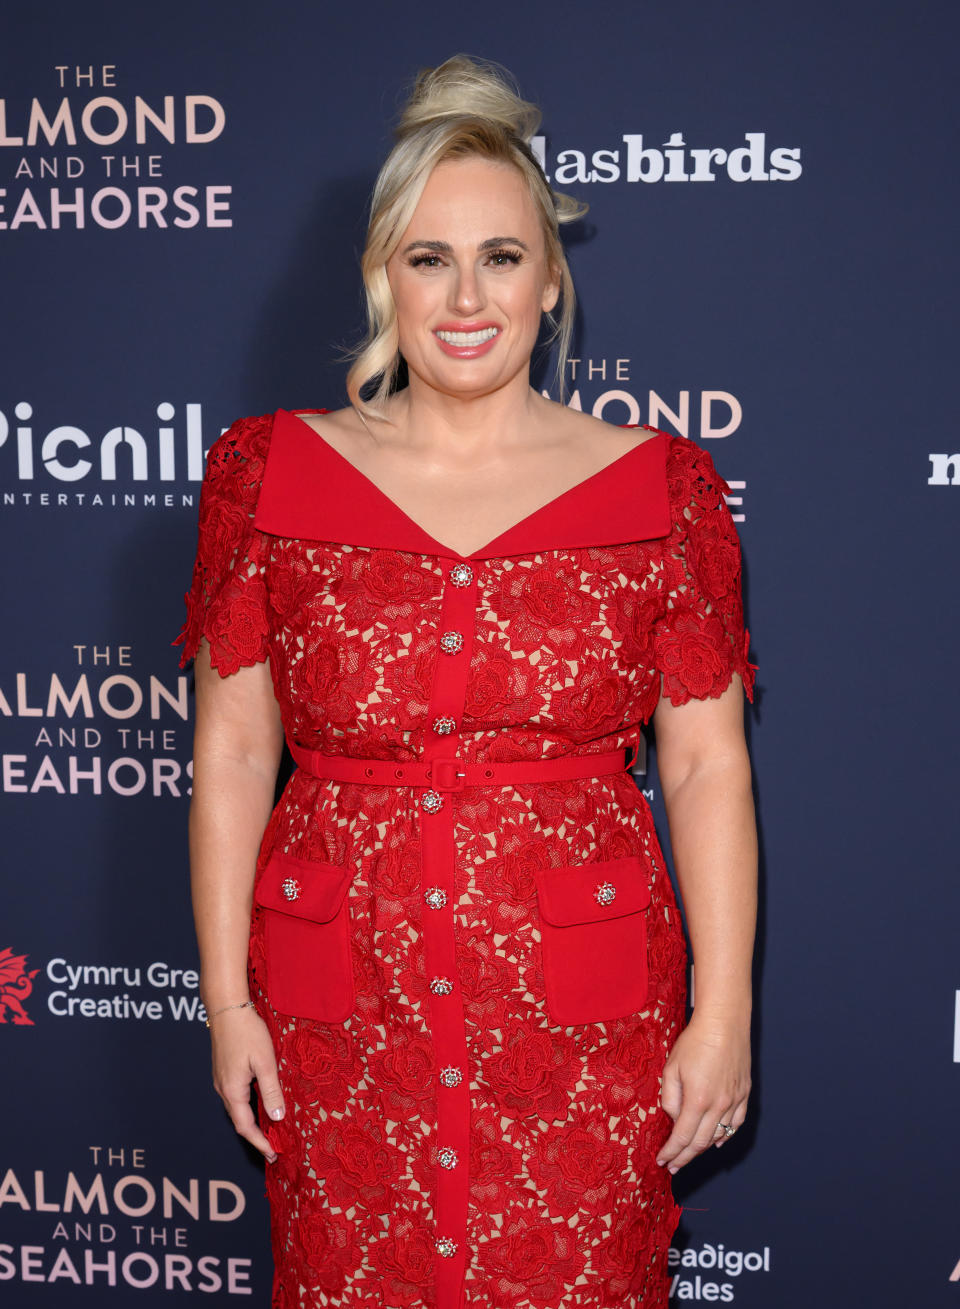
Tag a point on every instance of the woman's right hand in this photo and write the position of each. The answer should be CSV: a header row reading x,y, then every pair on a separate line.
x,y
243,1052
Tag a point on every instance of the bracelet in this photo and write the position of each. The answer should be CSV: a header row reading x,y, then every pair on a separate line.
x,y
247,1004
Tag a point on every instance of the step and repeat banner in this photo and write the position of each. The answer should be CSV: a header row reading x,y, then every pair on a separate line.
x,y
769,267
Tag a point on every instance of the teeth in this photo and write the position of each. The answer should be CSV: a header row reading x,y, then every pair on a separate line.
x,y
468,338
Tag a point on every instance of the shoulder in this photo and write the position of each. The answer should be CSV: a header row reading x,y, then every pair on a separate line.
x,y
686,455
585,427
692,478
346,419
343,429
235,464
246,440
703,524
584,431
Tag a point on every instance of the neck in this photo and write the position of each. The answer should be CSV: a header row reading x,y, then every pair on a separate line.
x,y
446,425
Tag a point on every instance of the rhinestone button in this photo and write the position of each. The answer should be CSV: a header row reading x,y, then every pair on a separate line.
x,y
444,725
605,893
451,1075
446,1246
441,985
431,801
447,1158
451,642
461,574
291,888
435,896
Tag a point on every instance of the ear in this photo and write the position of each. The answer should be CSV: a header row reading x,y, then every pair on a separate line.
x,y
551,291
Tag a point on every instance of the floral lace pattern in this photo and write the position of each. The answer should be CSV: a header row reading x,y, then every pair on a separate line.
x,y
571,650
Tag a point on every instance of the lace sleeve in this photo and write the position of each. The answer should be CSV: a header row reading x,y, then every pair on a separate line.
x,y
701,641
227,600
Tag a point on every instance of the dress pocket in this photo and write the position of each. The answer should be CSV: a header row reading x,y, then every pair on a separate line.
x,y
307,937
593,930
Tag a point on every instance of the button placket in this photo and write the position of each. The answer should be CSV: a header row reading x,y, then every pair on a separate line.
x,y
438,852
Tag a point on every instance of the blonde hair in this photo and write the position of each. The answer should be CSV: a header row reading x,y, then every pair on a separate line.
x,y
464,107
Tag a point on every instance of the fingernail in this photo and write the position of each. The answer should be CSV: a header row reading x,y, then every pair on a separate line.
x,y
276,1113
271,1158
672,1168
661,1162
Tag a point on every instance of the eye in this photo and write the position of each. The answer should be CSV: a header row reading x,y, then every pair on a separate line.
x,y
425,260
505,258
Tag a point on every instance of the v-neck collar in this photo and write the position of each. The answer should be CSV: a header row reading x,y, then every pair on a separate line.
x,y
310,490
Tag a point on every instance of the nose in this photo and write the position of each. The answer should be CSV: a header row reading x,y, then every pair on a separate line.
x,y
466,293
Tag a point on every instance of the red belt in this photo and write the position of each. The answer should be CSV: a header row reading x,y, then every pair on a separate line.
x,y
452,774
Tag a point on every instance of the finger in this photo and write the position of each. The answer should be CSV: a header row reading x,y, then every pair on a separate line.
x,y
265,1071
241,1115
700,1138
736,1120
683,1132
671,1091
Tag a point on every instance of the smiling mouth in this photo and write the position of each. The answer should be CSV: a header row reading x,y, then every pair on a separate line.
x,y
468,338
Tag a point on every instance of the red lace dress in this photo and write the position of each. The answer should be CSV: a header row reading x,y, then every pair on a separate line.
x,y
459,1130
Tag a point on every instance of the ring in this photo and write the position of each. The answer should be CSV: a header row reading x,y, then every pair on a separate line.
x,y
727,1129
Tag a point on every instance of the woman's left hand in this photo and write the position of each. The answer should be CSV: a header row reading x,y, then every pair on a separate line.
x,y
706,1081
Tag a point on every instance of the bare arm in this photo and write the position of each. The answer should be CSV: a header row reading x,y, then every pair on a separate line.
x,y
238,741
705,774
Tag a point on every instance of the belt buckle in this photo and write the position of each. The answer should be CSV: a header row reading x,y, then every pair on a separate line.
x,y
447,778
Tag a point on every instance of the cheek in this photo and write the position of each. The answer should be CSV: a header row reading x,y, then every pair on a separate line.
x,y
406,318
525,309
414,304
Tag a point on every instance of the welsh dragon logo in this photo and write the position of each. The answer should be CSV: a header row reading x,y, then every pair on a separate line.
x,y
16,983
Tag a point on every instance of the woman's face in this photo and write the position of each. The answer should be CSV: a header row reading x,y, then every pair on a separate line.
x,y
470,279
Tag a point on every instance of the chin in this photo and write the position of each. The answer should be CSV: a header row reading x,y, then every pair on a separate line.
x,y
461,381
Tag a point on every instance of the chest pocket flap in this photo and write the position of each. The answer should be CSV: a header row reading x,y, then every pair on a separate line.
x,y
576,893
305,888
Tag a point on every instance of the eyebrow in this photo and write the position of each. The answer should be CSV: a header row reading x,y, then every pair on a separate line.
x,y
445,248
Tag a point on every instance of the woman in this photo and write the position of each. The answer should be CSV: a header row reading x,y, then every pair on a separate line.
x,y
466,964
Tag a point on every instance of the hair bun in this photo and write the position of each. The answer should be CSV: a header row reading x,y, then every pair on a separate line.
x,y
464,87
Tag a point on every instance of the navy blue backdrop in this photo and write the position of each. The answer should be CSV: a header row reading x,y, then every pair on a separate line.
x,y
769,266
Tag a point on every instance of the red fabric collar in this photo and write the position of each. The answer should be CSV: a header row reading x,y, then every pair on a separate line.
x,y
311,491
